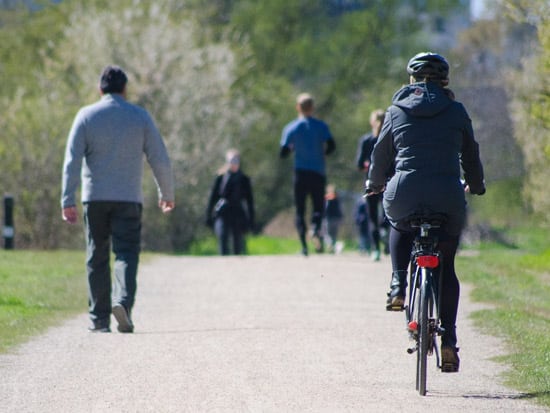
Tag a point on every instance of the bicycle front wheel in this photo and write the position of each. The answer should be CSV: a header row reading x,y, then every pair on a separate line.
x,y
423,332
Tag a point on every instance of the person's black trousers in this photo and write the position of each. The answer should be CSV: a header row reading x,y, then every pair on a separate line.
x,y
226,228
118,223
374,204
312,184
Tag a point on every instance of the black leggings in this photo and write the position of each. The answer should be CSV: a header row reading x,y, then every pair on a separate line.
x,y
400,248
313,184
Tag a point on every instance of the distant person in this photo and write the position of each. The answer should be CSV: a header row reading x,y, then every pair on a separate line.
x,y
363,161
429,137
333,217
230,210
362,224
106,147
310,140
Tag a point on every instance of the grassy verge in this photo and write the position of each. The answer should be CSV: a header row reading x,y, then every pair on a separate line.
x,y
255,245
516,281
37,290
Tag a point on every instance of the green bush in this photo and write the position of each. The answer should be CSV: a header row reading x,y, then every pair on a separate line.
x,y
501,206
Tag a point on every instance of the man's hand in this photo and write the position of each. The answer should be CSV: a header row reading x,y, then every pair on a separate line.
x,y
166,206
70,215
285,151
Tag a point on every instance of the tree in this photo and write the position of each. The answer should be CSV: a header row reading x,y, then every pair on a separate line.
x,y
214,76
479,65
501,77
31,120
184,86
352,59
531,105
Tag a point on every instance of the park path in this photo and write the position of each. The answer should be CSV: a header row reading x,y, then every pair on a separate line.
x,y
253,334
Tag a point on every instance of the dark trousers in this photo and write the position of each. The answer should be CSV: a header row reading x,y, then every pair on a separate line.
x,y
225,229
374,203
119,223
400,248
333,225
309,183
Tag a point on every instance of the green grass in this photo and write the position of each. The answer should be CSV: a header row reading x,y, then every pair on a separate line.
x,y
516,281
37,290
255,245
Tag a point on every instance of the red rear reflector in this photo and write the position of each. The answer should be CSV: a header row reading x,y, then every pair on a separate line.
x,y
413,326
427,261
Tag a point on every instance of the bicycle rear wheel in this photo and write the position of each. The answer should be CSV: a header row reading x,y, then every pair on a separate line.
x,y
423,332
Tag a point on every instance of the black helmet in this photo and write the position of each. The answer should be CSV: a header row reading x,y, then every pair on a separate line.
x,y
428,65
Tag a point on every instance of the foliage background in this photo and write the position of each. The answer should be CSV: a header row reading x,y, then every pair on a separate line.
x,y
225,73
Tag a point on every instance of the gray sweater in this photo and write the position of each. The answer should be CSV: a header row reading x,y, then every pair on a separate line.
x,y
105,149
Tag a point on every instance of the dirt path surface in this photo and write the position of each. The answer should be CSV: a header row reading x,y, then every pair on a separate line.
x,y
253,334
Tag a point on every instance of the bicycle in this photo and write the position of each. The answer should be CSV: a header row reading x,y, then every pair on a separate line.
x,y
422,308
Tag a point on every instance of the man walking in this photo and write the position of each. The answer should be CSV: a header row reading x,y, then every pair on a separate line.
x,y
310,140
105,150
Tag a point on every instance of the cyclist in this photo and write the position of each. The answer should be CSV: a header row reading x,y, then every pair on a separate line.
x,y
429,137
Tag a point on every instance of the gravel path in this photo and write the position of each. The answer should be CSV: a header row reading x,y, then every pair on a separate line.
x,y
253,334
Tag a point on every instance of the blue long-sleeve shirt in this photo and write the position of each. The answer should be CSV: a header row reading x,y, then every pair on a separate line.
x,y
306,136
105,150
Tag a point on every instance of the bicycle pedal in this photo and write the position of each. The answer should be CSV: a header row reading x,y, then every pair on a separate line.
x,y
395,304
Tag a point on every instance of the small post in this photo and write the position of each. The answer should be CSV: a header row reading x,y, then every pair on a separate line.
x,y
8,231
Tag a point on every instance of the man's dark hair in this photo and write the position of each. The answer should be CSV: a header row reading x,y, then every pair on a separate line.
x,y
113,80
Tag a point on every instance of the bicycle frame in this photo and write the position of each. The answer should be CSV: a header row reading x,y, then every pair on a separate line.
x,y
422,309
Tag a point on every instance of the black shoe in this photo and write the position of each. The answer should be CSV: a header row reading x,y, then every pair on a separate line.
x,y
449,359
318,243
396,303
122,316
304,251
99,327
398,286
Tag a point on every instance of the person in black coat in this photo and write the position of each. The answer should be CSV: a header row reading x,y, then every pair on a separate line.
x,y
230,210
363,161
362,222
429,138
